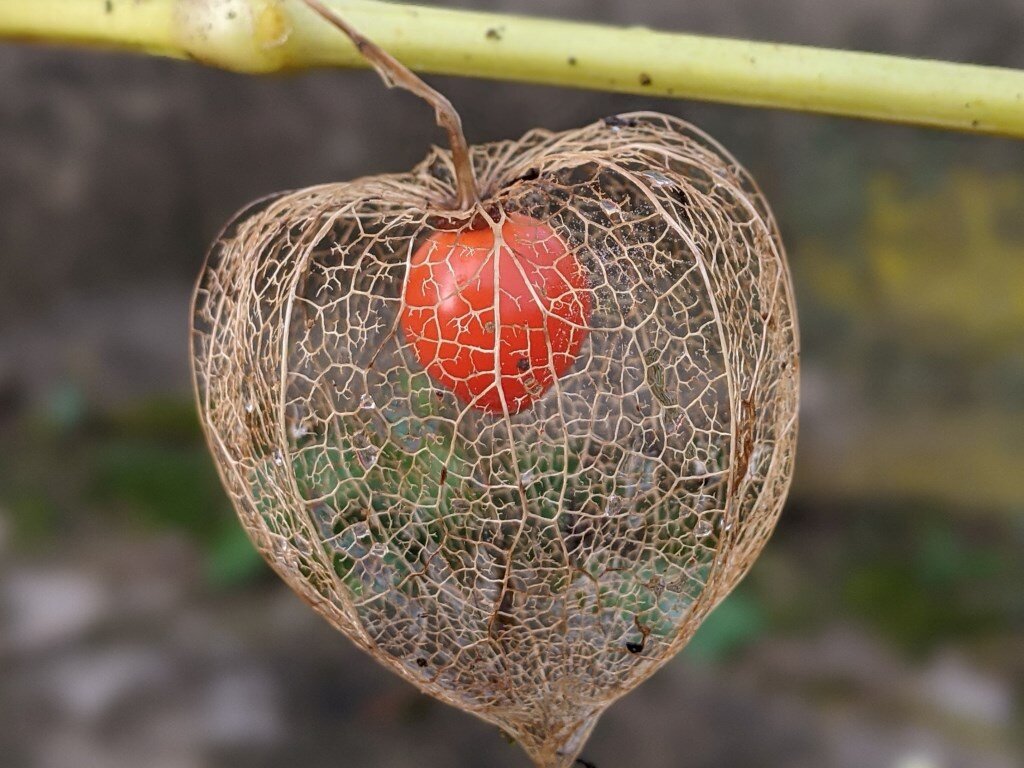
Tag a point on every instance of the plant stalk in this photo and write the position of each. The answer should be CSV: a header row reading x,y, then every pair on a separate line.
x,y
396,75
273,35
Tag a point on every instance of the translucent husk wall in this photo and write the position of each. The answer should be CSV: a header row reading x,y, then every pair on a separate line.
x,y
531,566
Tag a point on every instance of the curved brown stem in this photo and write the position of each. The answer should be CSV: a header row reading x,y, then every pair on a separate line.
x,y
397,75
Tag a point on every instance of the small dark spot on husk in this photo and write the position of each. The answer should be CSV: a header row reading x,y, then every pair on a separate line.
x,y
617,121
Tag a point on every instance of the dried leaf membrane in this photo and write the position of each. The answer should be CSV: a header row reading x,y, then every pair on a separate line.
x,y
529,567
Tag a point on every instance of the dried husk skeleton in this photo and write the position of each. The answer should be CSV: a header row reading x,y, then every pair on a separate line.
x,y
529,568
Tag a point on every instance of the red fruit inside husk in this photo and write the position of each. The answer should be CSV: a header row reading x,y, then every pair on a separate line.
x,y
496,322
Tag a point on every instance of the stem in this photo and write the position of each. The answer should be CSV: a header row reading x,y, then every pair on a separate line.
x,y
270,35
396,74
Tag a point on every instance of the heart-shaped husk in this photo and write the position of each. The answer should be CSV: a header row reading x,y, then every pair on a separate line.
x,y
528,568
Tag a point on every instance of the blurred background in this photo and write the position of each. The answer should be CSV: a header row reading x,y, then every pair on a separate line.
x,y
882,628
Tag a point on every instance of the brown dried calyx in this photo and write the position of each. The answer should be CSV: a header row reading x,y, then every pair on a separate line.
x,y
528,565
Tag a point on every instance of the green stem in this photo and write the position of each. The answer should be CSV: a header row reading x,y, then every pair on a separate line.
x,y
270,35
